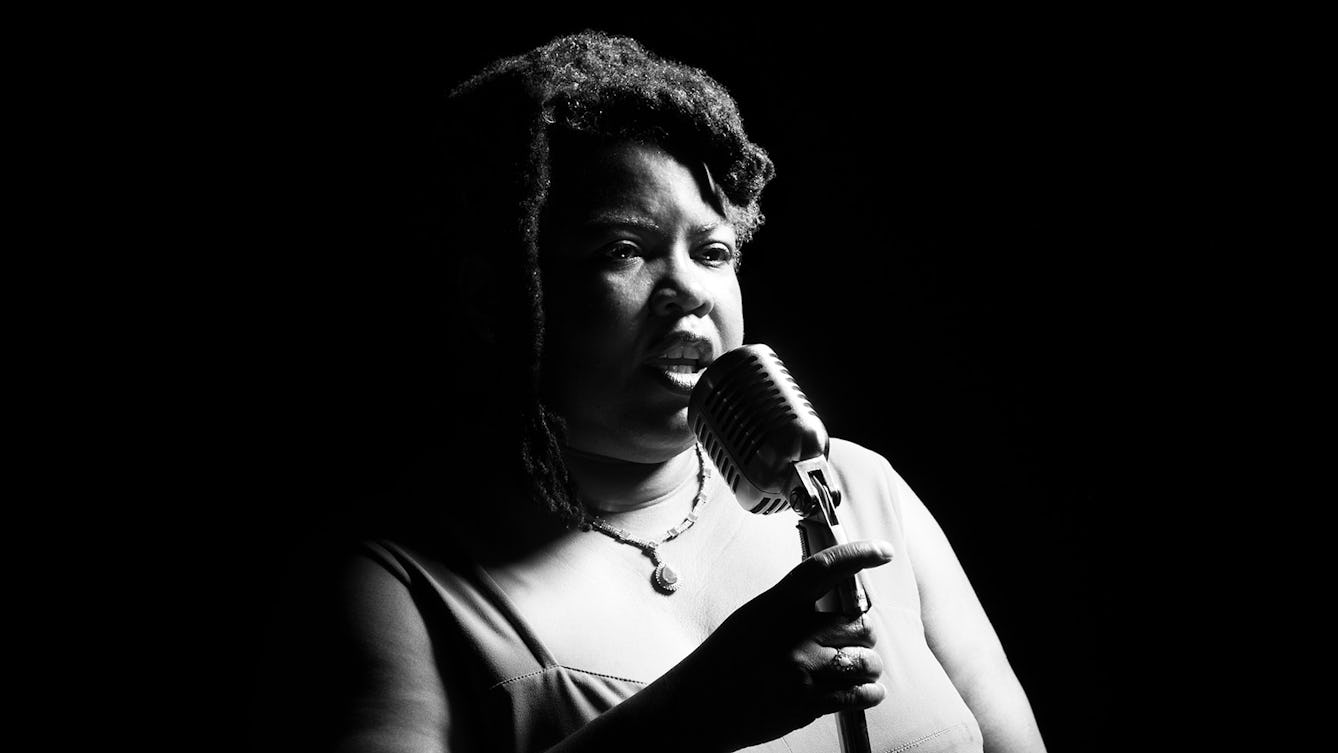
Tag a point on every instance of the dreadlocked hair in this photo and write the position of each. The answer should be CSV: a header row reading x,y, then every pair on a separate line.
x,y
498,131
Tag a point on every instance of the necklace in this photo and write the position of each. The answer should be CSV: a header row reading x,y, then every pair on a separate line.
x,y
665,578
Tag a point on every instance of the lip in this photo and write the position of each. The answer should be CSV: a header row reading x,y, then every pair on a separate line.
x,y
661,364
680,384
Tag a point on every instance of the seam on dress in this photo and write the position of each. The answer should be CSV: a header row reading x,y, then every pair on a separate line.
x,y
607,677
508,681
546,670
926,738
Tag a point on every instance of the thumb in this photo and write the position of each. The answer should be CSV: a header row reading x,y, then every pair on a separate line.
x,y
821,572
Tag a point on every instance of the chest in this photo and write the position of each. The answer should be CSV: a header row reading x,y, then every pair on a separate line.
x,y
590,599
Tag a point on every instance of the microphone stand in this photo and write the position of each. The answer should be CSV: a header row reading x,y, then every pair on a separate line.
x,y
816,503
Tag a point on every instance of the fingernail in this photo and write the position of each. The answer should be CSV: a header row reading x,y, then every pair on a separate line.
x,y
885,550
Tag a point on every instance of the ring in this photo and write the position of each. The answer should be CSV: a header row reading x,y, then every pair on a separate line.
x,y
843,662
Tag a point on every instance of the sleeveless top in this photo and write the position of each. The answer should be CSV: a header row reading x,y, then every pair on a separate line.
x,y
509,693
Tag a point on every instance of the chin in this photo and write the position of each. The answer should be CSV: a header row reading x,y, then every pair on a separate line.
x,y
679,433
650,434
658,445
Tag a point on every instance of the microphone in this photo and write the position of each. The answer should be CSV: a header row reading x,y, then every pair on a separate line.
x,y
771,448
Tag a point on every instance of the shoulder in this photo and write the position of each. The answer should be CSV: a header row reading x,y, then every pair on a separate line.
x,y
859,467
864,472
377,581
874,496
848,454
352,655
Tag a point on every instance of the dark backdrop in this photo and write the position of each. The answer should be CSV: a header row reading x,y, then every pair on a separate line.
x,y
980,260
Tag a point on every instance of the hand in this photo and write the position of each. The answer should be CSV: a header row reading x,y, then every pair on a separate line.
x,y
775,665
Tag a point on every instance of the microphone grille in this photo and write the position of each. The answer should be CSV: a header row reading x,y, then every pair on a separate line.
x,y
755,422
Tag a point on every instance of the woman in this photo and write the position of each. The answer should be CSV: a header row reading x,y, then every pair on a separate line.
x,y
575,575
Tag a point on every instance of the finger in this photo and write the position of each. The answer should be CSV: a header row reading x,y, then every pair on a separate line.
x,y
843,631
848,666
863,696
820,573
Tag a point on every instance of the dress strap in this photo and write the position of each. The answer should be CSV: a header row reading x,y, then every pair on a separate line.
x,y
486,617
517,622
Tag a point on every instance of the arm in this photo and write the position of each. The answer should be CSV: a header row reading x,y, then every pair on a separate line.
x,y
961,636
349,666
396,697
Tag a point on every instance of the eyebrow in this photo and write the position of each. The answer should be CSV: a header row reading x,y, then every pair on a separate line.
x,y
606,220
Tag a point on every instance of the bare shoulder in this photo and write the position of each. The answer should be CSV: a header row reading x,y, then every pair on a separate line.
x,y
377,603
358,669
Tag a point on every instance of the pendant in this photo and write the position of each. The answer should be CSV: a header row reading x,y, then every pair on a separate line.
x,y
665,578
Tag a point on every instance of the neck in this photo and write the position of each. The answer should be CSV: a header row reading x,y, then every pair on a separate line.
x,y
610,486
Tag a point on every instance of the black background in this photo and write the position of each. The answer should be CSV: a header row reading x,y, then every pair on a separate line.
x,y
990,255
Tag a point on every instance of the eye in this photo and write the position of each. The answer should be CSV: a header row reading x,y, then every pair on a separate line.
x,y
717,253
620,251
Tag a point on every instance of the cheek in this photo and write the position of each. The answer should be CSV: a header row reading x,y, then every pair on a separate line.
x,y
592,316
610,308
729,315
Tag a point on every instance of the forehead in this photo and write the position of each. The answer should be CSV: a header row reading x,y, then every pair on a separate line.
x,y
632,179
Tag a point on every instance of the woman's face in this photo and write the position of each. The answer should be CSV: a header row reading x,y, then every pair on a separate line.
x,y
640,296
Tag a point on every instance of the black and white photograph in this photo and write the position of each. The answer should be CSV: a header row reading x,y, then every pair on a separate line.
x,y
794,384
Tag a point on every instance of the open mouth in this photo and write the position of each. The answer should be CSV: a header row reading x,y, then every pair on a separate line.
x,y
681,361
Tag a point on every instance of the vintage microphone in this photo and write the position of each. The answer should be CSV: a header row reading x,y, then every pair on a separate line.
x,y
771,448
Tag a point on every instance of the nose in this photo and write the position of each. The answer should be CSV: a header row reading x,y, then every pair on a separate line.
x,y
682,289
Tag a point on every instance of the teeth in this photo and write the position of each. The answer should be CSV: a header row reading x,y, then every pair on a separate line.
x,y
681,368
689,352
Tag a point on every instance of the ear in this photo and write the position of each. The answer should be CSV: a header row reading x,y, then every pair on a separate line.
x,y
476,290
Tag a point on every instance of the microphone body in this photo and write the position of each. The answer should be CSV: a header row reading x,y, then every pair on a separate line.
x,y
771,448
